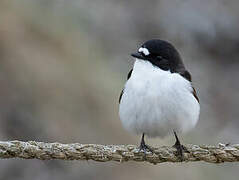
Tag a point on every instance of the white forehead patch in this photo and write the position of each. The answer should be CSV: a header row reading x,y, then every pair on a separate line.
x,y
144,50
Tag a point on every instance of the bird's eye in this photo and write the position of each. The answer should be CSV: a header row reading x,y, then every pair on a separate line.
x,y
145,51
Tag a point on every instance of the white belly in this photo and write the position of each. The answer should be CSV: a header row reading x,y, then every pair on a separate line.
x,y
156,102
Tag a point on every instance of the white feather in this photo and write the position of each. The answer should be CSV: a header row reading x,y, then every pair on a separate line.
x,y
144,50
156,102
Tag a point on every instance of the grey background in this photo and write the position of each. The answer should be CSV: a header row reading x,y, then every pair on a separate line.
x,y
64,63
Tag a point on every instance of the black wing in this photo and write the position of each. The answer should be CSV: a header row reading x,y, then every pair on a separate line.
x,y
187,76
122,92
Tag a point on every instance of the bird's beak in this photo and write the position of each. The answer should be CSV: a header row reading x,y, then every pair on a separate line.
x,y
138,55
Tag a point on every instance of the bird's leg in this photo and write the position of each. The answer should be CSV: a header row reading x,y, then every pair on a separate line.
x,y
144,147
180,148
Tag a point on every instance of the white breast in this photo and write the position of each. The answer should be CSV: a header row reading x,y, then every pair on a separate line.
x,y
156,102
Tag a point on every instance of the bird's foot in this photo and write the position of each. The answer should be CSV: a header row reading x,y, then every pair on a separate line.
x,y
180,148
144,147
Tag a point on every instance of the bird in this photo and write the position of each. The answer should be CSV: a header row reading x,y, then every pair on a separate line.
x,y
158,97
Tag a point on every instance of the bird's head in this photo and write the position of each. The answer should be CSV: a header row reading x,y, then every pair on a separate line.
x,y
161,54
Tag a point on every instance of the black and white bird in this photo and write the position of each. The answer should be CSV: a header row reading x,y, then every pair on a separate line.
x,y
158,97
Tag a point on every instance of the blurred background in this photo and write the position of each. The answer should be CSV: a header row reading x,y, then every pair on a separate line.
x,y
64,63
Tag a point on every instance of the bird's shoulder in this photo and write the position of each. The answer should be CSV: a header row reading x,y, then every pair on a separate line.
x,y
122,92
185,74
188,76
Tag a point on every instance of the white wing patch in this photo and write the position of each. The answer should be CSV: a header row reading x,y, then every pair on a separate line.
x,y
144,50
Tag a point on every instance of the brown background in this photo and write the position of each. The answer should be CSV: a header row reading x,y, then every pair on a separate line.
x,y
63,64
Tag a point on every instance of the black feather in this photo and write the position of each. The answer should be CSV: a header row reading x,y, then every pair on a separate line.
x,y
122,92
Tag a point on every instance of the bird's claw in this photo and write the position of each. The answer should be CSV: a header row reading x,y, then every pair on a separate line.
x,y
144,147
180,150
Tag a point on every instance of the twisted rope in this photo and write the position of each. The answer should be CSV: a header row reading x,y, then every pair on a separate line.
x,y
120,153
